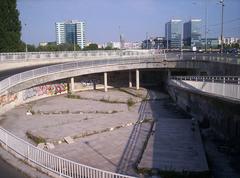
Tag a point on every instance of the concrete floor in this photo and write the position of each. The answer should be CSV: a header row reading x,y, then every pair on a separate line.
x,y
113,149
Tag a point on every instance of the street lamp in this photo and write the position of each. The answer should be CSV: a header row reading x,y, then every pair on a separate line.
x,y
222,4
206,19
26,47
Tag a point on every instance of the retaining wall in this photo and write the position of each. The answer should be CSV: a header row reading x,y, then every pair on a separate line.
x,y
221,114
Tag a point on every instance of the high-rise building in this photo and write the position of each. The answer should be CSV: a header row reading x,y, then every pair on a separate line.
x,y
192,33
173,33
72,32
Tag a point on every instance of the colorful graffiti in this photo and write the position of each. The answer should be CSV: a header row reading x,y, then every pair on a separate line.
x,y
49,89
8,98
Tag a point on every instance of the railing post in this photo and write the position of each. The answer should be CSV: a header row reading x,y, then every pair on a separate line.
x,y
28,152
212,84
6,140
224,81
238,80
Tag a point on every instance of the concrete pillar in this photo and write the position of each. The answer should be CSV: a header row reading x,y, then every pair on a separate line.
x,y
105,82
72,84
137,79
169,74
94,85
130,79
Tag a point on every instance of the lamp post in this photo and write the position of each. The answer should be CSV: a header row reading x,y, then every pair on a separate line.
x,y
26,47
206,19
147,39
222,4
167,37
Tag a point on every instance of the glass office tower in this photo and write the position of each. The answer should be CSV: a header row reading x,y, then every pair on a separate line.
x,y
192,33
173,34
72,32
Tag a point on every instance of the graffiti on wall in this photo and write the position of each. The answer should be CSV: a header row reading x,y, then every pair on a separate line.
x,y
89,82
8,98
50,90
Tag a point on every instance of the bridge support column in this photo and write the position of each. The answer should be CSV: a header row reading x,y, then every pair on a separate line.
x,y
105,82
137,80
130,78
169,74
72,85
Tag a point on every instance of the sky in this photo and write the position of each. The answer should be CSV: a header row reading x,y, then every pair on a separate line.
x,y
106,19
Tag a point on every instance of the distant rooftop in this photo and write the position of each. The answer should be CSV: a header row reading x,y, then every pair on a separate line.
x,y
71,21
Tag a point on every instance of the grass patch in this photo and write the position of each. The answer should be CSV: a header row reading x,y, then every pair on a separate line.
x,y
36,139
72,96
130,102
110,101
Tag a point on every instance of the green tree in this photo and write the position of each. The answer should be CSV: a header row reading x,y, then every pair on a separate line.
x,y
10,27
92,46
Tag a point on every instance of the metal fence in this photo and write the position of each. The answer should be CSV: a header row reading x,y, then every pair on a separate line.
x,y
223,86
23,56
214,79
51,162
43,71
215,57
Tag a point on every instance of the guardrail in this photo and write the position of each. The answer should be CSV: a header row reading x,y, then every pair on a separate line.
x,y
75,55
21,77
214,79
214,57
23,56
223,86
51,162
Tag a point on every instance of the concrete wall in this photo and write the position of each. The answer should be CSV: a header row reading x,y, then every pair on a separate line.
x,y
227,90
222,115
10,100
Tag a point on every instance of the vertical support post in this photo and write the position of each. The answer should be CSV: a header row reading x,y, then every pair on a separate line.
x,y
137,80
72,84
224,81
105,82
6,141
28,152
238,94
212,84
169,74
130,79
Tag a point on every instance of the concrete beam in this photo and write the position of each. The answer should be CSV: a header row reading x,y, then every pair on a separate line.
x,y
137,80
105,82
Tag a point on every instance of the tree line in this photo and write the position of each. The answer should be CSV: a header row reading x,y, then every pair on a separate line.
x,y
65,47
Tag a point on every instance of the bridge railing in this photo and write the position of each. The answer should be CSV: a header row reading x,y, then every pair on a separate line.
x,y
23,56
31,74
51,162
223,86
214,79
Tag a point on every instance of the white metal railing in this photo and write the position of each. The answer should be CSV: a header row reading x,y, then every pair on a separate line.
x,y
223,86
215,79
43,71
216,57
23,56
51,162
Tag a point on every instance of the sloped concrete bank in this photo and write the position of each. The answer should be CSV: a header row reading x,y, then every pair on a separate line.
x,y
219,120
